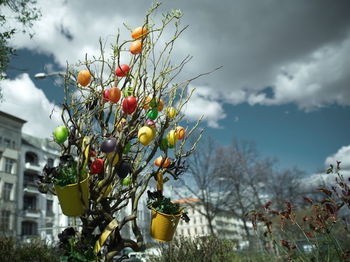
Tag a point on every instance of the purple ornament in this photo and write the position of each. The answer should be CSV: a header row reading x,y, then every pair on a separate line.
x,y
108,145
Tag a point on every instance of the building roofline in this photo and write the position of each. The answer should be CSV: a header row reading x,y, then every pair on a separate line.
x,y
12,117
186,200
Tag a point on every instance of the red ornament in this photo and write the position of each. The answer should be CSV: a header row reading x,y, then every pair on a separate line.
x,y
92,153
129,104
96,166
106,95
122,70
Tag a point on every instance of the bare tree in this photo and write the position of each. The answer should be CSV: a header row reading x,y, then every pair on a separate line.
x,y
205,184
92,121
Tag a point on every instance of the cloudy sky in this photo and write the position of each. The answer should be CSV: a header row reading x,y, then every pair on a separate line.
x,y
284,82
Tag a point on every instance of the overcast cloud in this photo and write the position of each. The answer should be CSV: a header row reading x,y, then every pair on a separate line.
x,y
299,49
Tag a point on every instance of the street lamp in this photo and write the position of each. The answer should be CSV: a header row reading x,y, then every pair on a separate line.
x,y
41,76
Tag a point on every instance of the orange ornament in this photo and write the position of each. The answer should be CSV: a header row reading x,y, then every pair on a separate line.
x,y
147,102
139,32
114,94
160,105
136,47
161,160
84,77
180,131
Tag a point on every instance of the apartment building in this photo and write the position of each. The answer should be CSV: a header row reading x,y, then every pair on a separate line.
x,y
10,145
39,214
224,225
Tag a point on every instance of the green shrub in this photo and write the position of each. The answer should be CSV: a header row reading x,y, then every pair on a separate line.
x,y
35,251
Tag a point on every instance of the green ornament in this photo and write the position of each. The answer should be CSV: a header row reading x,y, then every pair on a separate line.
x,y
127,148
163,144
152,114
60,135
153,103
126,181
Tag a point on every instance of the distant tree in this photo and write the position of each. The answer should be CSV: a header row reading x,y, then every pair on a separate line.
x,y
207,186
22,11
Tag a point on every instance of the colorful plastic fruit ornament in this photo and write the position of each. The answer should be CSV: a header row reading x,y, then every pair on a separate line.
x,y
127,148
136,47
61,134
114,95
122,70
171,112
153,114
161,162
106,95
139,32
160,105
180,131
129,104
172,137
163,144
123,169
116,157
84,77
126,181
108,145
147,102
145,135
96,166
150,123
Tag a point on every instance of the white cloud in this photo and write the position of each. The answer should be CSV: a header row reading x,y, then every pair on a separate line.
x,y
343,155
204,103
307,65
24,100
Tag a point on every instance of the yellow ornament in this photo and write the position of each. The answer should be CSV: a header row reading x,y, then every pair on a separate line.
x,y
171,112
172,137
145,135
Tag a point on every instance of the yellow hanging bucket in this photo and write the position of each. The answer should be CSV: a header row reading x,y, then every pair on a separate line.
x,y
163,226
70,199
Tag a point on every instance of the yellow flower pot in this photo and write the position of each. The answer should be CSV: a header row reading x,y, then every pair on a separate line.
x,y
70,199
163,226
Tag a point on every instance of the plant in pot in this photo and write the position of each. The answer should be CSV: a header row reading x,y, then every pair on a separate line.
x,y
165,216
70,186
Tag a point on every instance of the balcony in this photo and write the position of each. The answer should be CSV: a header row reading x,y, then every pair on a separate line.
x,y
31,213
32,167
30,188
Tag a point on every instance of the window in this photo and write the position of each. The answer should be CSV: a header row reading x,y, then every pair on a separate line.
x,y
32,158
195,230
9,164
0,140
29,179
7,191
13,144
49,209
29,202
29,228
49,228
5,220
7,142
188,231
50,162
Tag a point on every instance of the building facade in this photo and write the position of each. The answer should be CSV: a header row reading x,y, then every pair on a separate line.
x,y
224,225
10,146
39,214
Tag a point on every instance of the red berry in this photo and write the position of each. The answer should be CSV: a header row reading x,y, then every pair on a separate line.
x,y
96,166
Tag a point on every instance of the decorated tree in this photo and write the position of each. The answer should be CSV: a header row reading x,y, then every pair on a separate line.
x,y
121,129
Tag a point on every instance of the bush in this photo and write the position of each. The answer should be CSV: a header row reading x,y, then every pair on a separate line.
x,y
35,251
